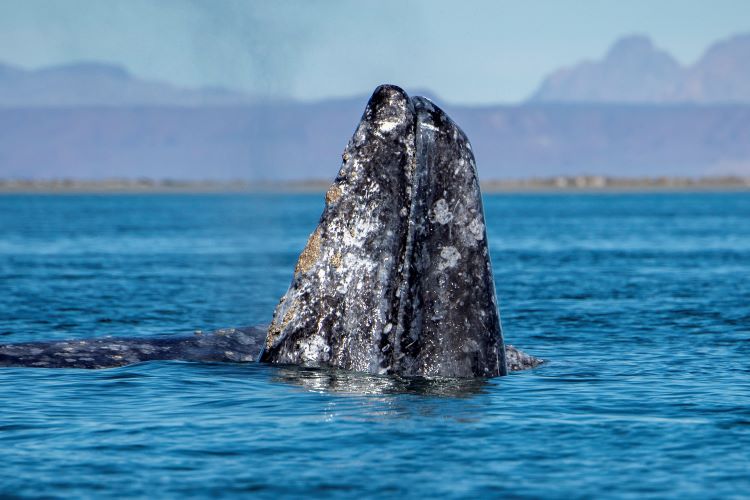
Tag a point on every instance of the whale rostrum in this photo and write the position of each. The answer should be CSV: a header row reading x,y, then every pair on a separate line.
x,y
343,304
396,279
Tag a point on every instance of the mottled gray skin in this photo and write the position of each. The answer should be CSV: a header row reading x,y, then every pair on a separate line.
x,y
343,299
451,326
397,278
227,345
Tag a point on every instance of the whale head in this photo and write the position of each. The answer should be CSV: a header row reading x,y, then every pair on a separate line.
x,y
396,278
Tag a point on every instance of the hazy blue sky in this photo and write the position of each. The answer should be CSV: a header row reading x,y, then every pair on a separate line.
x,y
464,51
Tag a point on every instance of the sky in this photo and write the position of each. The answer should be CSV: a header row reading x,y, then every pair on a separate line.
x,y
465,52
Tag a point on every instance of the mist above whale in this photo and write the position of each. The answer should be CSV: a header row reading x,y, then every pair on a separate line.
x,y
396,279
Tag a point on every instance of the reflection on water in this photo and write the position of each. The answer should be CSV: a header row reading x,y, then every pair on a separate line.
x,y
341,381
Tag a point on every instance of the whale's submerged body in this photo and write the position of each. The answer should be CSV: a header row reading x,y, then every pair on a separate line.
x,y
396,278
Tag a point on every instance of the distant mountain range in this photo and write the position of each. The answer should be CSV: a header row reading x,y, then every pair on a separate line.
x,y
634,70
636,113
97,84
296,141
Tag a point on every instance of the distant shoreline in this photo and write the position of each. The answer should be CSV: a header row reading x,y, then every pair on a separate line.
x,y
580,184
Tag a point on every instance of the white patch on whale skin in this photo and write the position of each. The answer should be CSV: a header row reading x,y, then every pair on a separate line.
x,y
450,257
441,212
477,229
389,125
360,135
312,349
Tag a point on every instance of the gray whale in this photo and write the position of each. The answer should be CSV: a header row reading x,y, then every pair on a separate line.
x,y
228,345
396,279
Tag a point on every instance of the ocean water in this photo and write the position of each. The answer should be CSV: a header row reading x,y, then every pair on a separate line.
x,y
640,303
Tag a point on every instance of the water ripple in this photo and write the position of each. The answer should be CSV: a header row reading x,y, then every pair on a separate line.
x,y
639,302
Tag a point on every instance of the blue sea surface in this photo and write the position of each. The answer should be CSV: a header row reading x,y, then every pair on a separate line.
x,y
640,303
